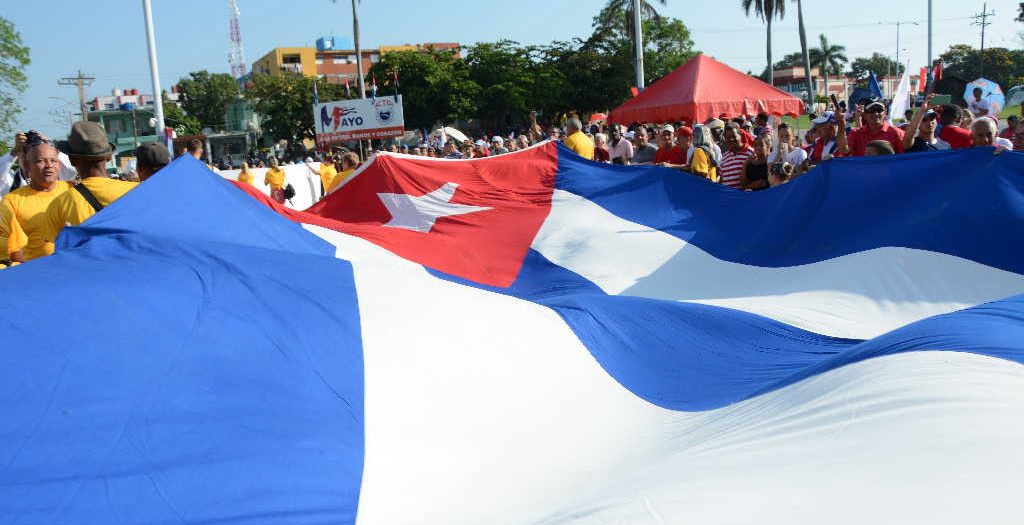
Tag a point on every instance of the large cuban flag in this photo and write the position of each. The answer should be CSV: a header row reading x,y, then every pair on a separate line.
x,y
527,339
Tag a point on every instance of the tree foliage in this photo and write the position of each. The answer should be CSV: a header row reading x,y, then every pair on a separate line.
x,y
435,86
285,102
206,96
14,58
877,62
177,119
1003,66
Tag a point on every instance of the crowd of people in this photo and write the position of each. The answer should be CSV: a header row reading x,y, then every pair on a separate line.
x,y
53,189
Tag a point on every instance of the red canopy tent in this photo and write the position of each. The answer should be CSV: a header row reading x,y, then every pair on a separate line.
x,y
703,88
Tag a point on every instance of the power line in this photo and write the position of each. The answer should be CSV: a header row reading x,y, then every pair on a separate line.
x,y
82,82
981,19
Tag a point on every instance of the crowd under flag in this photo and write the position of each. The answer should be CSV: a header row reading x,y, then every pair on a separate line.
x,y
528,338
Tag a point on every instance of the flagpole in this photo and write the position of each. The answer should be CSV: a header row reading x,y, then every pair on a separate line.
x,y
359,51
158,103
638,43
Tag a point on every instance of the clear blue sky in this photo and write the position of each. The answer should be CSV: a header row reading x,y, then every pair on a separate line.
x,y
106,38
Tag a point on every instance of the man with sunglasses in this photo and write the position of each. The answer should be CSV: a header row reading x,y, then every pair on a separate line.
x,y
23,226
875,128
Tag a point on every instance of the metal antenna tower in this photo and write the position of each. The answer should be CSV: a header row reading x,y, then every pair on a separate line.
x,y
237,55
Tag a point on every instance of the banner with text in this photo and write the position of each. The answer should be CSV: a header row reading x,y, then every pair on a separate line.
x,y
358,119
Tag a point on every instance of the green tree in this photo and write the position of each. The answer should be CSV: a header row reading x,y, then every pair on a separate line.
x,y
604,63
877,62
435,86
829,59
14,58
1003,66
286,104
504,72
767,10
206,96
177,119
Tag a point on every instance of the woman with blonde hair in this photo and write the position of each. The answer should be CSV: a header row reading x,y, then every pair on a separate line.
x,y
245,176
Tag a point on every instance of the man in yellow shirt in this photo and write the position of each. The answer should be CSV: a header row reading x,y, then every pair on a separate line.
x,y
349,163
275,179
89,152
576,140
22,213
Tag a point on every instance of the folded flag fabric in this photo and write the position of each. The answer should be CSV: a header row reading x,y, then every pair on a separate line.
x,y
527,339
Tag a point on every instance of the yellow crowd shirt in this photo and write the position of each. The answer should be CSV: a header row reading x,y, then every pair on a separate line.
x,y
701,165
245,177
275,178
581,144
338,179
23,221
327,175
71,208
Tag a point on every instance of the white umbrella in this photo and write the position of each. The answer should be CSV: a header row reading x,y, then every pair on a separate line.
x,y
452,133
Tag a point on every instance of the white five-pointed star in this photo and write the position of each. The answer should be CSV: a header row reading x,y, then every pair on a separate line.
x,y
419,213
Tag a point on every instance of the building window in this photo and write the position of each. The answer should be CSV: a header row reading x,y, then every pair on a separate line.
x,y
374,59
319,61
115,127
338,60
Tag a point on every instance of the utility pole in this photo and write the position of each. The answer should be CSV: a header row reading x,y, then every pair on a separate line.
x,y
899,23
931,66
638,44
81,81
981,19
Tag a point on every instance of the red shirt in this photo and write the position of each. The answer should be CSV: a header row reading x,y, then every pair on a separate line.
x,y
859,138
673,155
957,137
1006,133
601,154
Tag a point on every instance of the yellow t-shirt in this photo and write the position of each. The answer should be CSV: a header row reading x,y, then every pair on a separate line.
x,y
581,144
700,164
23,221
338,179
327,175
275,178
71,208
245,177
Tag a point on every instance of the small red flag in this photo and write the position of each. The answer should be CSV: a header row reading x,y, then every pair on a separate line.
x,y
922,82
635,91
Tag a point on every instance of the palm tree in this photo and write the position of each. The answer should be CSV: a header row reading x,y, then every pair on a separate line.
x,y
767,10
803,49
828,59
624,8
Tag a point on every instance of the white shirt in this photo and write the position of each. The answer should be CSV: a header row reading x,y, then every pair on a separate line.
x,y
977,106
1001,142
796,156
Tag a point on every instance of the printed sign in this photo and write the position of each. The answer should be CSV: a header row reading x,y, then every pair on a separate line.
x,y
358,119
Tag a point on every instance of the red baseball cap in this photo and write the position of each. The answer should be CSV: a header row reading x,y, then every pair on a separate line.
x,y
685,131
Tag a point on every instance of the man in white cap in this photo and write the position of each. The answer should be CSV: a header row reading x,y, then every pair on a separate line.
x,y
830,130
498,145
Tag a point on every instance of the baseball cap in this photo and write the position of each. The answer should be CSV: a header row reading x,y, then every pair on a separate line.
x,y
875,107
930,114
152,155
480,142
827,117
497,139
668,128
684,131
716,124
629,135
